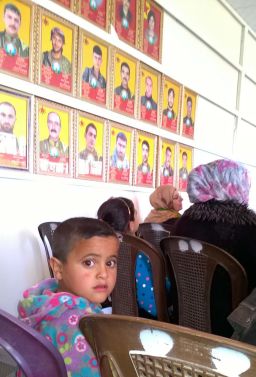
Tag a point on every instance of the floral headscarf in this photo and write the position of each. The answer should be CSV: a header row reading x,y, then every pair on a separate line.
x,y
220,180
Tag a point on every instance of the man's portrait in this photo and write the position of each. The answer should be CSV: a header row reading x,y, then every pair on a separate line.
x,y
94,65
57,54
189,105
15,37
167,161
14,115
53,124
125,15
90,147
124,83
185,165
145,159
149,94
152,28
120,154
95,11
171,95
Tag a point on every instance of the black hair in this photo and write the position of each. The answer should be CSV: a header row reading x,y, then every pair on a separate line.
x,y
121,136
72,230
97,50
189,99
168,149
146,143
184,154
59,32
171,90
130,204
116,213
124,64
151,14
12,8
90,125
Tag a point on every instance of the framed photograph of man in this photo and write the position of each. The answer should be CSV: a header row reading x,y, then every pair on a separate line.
x,y
166,162
96,11
53,147
125,83
14,129
90,152
16,37
149,94
188,113
57,57
152,27
66,3
125,19
93,69
145,159
171,92
120,154
185,164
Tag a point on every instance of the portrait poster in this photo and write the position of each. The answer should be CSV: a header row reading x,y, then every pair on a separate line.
x,y
171,104
125,83
16,36
145,159
120,153
93,74
125,20
57,52
53,136
166,161
149,94
152,25
66,3
14,129
189,112
96,11
185,164
90,147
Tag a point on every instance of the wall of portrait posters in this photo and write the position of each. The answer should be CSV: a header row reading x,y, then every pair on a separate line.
x,y
166,161
189,111
149,94
145,159
120,153
14,128
90,147
171,92
185,164
152,29
54,140
96,11
16,37
125,20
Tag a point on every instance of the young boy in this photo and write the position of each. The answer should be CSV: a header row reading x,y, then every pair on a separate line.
x,y
84,263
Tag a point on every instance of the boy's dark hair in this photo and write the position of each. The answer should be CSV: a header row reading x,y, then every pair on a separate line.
x,y
97,50
145,143
121,136
70,231
130,204
116,213
12,8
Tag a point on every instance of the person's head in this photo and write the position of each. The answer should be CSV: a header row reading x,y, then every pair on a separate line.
x,y
149,86
84,258
151,20
126,6
121,142
168,156
171,95
7,117
97,57
58,40
133,226
90,135
145,151
125,74
184,159
220,180
54,125
12,19
166,197
116,213
189,107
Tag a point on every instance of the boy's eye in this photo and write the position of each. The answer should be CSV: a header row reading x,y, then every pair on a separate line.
x,y
112,263
88,263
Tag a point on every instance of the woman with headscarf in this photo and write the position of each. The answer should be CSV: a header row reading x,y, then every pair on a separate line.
x,y
220,215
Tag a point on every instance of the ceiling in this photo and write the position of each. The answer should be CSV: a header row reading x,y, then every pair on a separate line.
x,y
246,10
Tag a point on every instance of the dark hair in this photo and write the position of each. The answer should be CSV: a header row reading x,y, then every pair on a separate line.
x,y
151,14
59,32
171,90
121,136
72,230
189,99
184,154
146,143
12,8
130,204
168,149
116,213
90,125
124,64
97,50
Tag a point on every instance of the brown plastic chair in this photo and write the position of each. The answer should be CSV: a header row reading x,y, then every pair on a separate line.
x,y
46,231
193,265
153,233
137,347
124,299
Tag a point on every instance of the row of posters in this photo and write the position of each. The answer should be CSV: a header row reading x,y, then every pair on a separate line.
x,y
99,73
70,143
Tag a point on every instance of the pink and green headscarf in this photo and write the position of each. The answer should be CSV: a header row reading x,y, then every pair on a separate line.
x,y
220,180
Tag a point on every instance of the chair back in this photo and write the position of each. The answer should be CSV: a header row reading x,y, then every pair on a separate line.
x,y
34,355
153,233
124,300
138,347
46,231
193,265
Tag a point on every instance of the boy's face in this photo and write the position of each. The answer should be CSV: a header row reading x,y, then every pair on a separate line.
x,y
91,268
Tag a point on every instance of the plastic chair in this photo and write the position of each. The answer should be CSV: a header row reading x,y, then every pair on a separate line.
x,y
137,347
193,264
46,231
34,355
153,233
124,299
